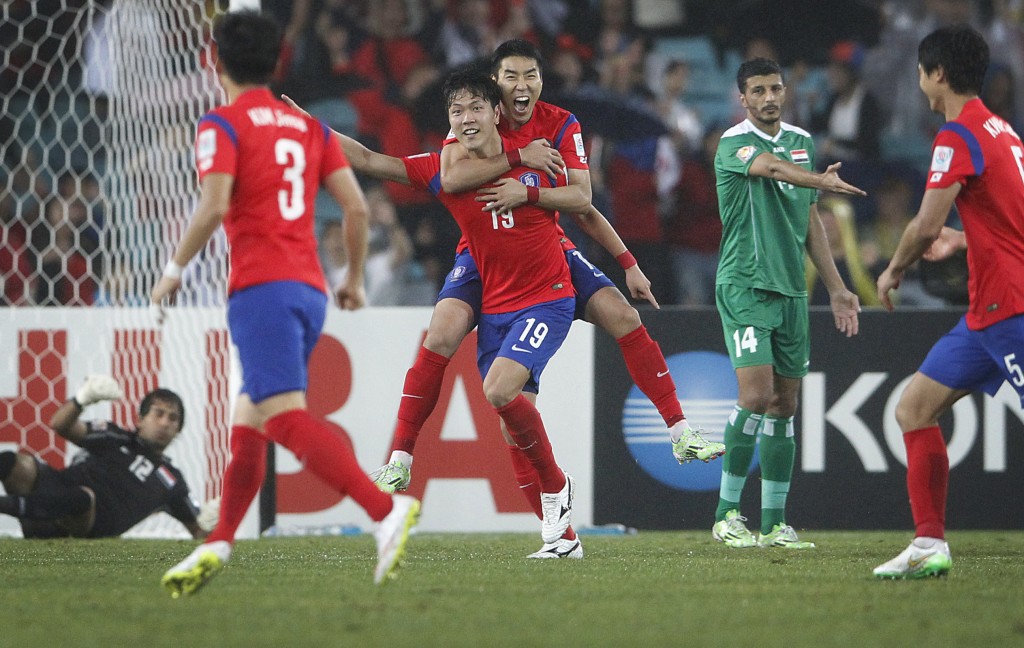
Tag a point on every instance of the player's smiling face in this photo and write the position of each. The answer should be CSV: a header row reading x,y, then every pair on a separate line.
x,y
474,122
763,98
520,82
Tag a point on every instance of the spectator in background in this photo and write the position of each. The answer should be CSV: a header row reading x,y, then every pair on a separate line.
x,y
393,278
16,274
683,121
851,120
879,239
470,30
62,256
837,217
999,92
694,229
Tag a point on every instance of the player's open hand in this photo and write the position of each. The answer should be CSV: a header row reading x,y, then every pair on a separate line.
x,y
96,388
504,196
540,155
639,285
845,307
294,106
949,241
887,282
832,182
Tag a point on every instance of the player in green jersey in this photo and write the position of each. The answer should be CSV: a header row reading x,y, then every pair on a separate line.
x,y
767,194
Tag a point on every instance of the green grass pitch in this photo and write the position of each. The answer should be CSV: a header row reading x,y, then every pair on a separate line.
x,y
652,589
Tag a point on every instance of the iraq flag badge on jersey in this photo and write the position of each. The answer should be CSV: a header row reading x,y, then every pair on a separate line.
x,y
800,156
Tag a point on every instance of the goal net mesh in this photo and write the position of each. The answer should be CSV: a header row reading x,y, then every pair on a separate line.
x,y
100,101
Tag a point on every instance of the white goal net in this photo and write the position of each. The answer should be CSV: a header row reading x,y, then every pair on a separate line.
x,y
98,106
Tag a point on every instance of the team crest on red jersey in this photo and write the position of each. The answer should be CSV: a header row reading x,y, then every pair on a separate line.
x,y
530,179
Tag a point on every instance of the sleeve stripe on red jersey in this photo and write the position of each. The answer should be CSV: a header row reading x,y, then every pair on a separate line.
x,y
224,126
327,131
561,133
973,147
435,184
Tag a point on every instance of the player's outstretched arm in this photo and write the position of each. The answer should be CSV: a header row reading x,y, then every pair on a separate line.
x,y
96,388
950,241
213,206
460,172
596,226
767,165
345,190
925,229
845,304
362,159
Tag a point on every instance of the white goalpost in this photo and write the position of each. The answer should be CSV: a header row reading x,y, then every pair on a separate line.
x,y
98,108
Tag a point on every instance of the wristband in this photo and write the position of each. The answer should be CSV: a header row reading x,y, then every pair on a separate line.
x,y
173,270
514,158
626,260
532,195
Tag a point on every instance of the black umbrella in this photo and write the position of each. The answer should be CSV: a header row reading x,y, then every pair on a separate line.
x,y
615,116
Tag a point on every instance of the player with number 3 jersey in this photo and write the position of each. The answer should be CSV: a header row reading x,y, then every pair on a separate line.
x,y
260,164
976,164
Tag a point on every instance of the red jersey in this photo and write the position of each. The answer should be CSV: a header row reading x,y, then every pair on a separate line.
x,y
559,127
278,158
981,152
518,254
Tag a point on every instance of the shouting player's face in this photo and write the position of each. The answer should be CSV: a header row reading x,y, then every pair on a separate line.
x,y
763,100
474,122
160,424
520,83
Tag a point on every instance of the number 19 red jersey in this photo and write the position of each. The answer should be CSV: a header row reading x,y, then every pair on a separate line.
x,y
278,158
981,152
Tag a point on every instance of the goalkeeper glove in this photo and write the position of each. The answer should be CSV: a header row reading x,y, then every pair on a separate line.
x,y
97,388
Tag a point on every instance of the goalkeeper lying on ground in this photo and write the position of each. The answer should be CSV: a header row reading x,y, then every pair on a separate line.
x,y
120,479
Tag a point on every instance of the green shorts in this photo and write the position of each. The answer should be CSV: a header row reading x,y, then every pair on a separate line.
x,y
762,327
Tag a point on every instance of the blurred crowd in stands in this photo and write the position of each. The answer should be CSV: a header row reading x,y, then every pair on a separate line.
x,y
652,83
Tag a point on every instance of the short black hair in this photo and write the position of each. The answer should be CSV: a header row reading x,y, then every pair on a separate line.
x,y
755,67
248,46
961,52
164,396
474,80
516,47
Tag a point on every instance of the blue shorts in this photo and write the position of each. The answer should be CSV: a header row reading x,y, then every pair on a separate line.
x,y
979,360
275,327
529,336
463,282
586,280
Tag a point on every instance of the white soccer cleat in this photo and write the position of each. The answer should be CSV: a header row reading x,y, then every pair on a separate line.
x,y
392,534
560,548
917,561
557,509
188,576
733,532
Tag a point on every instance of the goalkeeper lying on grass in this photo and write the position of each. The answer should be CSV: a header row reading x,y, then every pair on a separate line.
x,y
120,479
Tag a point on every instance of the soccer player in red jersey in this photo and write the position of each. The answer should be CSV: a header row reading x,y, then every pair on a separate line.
x,y
259,165
976,164
516,66
523,287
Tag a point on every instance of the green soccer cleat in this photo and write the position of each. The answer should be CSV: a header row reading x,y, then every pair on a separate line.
x,y
692,445
392,477
918,562
392,534
782,535
733,532
188,576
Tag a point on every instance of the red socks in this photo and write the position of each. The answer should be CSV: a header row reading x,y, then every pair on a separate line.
x,y
927,479
646,365
419,397
526,428
529,484
242,480
329,458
